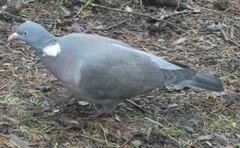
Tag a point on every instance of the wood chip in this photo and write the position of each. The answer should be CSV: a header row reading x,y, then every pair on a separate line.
x,y
179,41
205,137
208,143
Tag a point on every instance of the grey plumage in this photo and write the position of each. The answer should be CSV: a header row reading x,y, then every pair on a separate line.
x,y
107,71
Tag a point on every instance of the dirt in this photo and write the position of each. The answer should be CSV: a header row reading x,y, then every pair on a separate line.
x,y
33,105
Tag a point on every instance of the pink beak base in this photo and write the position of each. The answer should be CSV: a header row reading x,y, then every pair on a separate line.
x,y
13,36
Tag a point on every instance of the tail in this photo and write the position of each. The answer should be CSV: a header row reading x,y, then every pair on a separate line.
x,y
203,81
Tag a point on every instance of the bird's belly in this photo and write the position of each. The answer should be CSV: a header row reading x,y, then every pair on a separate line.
x,y
79,94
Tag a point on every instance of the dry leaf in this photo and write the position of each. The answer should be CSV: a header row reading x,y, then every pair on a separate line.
x,y
128,9
238,136
65,11
179,41
136,143
233,110
76,27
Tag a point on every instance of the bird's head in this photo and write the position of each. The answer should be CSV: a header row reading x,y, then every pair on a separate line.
x,y
29,32
34,35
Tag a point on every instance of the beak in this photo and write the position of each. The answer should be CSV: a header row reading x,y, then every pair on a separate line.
x,y
13,36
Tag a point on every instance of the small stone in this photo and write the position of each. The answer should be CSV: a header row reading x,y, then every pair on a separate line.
x,y
83,103
173,105
56,110
136,143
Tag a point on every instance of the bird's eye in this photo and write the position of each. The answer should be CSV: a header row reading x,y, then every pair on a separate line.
x,y
25,32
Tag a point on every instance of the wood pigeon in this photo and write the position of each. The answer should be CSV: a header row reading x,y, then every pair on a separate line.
x,y
105,71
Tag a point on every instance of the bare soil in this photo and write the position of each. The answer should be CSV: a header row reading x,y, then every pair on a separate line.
x,y
34,109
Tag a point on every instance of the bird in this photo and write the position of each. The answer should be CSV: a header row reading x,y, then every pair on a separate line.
x,y
106,71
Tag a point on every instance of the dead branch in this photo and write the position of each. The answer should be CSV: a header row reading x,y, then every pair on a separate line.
x,y
180,13
139,107
170,3
112,26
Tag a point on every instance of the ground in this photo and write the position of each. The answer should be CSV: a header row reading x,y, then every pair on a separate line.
x,y
35,111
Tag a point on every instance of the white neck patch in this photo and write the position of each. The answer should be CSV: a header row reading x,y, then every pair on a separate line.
x,y
52,50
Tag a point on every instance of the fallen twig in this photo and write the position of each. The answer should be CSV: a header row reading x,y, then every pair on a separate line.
x,y
139,107
112,26
179,13
232,32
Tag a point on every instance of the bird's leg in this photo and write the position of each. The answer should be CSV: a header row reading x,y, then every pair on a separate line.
x,y
107,109
64,93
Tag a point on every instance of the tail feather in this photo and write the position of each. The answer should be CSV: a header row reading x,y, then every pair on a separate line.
x,y
203,81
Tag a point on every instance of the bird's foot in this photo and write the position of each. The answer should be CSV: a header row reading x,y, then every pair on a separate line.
x,y
105,111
